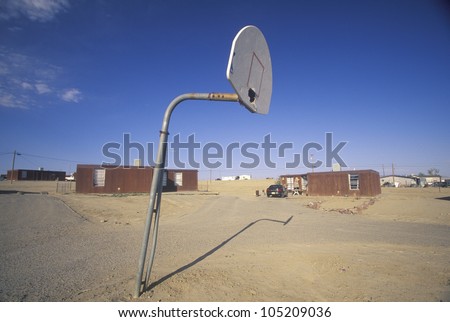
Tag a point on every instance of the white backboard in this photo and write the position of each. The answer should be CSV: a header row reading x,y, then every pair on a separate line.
x,y
250,69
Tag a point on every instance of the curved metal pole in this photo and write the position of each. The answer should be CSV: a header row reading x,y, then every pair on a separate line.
x,y
156,187
155,236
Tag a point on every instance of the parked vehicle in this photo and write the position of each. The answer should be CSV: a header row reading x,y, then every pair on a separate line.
x,y
277,190
70,178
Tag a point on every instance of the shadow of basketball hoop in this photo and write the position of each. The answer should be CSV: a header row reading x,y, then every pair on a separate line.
x,y
443,198
213,250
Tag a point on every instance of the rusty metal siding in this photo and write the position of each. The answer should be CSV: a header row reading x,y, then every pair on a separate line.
x,y
371,184
84,179
338,183
125,180
117,179
130,179
328,184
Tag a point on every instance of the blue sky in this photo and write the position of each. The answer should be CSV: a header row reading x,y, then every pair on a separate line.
x,y
75,75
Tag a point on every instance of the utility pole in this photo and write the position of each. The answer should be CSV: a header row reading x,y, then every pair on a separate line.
x,y
383,169
393,176
14,161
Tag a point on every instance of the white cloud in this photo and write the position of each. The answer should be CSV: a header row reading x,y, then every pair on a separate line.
x,y
26,85
42,88
71,95
10,101
27,82
36,10
28,68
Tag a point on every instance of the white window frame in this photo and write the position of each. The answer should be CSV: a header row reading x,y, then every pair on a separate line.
x,y
178,179
353,177
99,177
290,183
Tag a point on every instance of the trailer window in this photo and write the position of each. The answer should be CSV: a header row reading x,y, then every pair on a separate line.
x,y
178,179
99,177
354,181
164,178
290,183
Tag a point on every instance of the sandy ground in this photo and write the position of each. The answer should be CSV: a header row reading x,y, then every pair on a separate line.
x,y
227,244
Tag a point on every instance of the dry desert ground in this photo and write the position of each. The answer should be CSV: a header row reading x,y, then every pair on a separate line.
x,y
227,244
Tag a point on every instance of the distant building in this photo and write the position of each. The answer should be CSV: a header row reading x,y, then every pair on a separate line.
x,y
111,179
338,183
399,181
240,177
36,175
431,179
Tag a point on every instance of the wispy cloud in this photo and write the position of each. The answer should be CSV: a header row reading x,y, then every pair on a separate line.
x,y
27,82
71,95
35,10
42,88
26,85
9,100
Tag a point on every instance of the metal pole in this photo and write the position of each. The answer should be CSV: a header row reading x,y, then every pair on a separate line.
x,y
393,176
156,187
12,170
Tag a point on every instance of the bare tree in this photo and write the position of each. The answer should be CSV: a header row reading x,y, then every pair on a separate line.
x,y
433,172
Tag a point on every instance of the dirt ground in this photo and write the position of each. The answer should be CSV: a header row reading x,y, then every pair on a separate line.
x,y
227,244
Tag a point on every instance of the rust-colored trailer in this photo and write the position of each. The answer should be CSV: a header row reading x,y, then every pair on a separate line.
x,y
338,183
112,179
344,183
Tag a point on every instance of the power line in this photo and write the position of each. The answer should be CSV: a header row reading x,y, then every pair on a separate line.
x,y
51,158
28,160
41,157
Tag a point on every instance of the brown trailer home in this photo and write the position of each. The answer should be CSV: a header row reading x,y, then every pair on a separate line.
x,y
111,179
338,183
344,183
